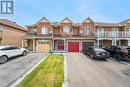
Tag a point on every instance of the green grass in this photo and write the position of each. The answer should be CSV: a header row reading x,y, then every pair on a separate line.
x,y
50,73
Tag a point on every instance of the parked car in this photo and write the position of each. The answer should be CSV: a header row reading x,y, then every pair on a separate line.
x,y
7,52
118,52
96,52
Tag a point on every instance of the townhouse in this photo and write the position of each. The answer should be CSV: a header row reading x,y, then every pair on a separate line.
x,y
72,37
11,33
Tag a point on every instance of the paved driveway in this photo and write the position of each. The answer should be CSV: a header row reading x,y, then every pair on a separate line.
x,y
85,72
15,68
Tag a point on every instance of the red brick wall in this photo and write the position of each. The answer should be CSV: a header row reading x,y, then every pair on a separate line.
x,y
11,36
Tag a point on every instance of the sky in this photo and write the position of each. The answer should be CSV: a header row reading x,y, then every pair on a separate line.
x,y
30,11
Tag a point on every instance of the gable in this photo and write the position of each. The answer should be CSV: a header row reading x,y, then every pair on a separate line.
x,y
86,21
66,20
44,20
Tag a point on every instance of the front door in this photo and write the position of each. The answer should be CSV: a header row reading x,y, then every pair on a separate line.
x,y
59,44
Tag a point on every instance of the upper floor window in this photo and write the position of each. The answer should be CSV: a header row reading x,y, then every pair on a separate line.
x,y
114,29
33,30
100,32
44,30
66,29
129,29
88,30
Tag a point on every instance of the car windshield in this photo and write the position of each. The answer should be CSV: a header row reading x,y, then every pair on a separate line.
x,y
99,49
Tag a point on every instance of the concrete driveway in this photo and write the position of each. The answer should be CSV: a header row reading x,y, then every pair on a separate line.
x,y
86,72
15,68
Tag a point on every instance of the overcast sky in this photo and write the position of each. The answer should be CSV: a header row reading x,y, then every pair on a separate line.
x,y
30,11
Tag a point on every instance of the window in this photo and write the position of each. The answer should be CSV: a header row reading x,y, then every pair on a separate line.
x,y
100,32
88,30
33,30
128,29
44,30
10,48
66,29
114,32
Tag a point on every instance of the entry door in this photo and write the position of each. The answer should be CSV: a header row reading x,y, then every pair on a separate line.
x,y
61,45
100,32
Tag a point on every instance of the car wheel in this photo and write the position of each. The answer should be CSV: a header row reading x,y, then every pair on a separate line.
x,y
117,56
24,53
3,59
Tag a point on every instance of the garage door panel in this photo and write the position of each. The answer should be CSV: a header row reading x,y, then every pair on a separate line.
x,y
73,46
42,48
86,44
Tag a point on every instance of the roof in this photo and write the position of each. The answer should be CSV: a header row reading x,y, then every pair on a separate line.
x,y
125,21
86,20
11,24
107,24
102,24
66,20
43,19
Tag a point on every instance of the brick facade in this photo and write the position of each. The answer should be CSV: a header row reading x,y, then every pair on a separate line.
x,y
11,33
87,31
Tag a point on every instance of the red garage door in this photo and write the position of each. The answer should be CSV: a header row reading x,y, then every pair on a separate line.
x,y
73,46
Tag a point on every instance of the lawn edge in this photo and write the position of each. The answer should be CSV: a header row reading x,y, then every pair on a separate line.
x,y
65,82
19,80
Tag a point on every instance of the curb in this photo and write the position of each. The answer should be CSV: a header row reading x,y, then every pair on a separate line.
x,y
27,73
65,83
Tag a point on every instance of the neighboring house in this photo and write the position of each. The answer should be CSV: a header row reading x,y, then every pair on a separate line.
x,y
72,37
11,33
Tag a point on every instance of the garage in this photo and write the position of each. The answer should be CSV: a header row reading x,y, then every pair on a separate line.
x,y
85,44
73,46
42,47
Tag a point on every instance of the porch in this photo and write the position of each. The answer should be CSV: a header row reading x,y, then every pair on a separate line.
x,y
108,42
35,44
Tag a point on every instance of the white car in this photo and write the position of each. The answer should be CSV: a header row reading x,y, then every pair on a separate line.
x,y
7,52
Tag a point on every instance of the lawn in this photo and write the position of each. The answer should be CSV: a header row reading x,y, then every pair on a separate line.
x,y
50,73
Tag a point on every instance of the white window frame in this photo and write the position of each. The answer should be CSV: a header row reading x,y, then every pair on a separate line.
x,y
66,29
33,30
88,30
114,32
44,30
100,32
128,33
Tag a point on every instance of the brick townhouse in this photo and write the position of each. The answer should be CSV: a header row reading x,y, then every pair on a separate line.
x,y
72,37
11,33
